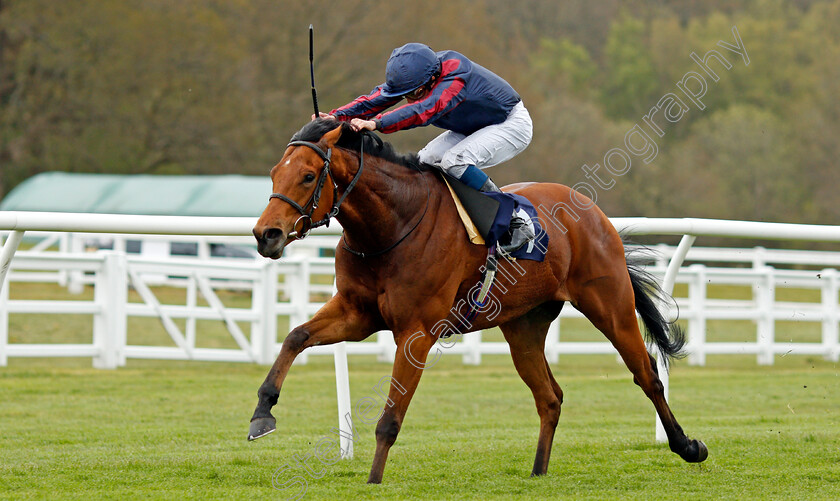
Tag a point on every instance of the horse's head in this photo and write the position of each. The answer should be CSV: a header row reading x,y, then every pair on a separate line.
x,y
302,193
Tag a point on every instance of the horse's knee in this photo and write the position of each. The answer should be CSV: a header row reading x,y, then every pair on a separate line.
x,y
387,429
295,340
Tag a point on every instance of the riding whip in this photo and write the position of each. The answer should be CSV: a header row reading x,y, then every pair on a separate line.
x,y
312,70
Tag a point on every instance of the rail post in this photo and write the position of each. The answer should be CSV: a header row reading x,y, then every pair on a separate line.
x,y
264,331
342,390
299,296
75,279
109,323
552,342
387,347
830,336
4,326
697,294
668,282
9,248
766,323
472,348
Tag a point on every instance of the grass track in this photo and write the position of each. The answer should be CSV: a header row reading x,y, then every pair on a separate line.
x,y
166,430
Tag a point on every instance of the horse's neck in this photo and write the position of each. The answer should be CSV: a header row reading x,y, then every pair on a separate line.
x,y
385,202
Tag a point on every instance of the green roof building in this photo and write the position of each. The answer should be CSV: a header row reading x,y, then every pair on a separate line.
x,y
228,195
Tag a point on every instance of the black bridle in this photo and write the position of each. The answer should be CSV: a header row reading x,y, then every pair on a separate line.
x,y
306,217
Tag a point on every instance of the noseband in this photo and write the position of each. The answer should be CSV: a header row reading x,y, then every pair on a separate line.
x,y
305,219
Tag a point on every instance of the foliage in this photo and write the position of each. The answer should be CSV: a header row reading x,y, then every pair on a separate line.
x,y
211,86
563,65
629,78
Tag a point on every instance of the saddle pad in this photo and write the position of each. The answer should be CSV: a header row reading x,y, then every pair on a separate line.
x,y
510,203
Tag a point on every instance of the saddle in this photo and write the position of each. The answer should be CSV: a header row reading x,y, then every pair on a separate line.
x,y
477,211
487,217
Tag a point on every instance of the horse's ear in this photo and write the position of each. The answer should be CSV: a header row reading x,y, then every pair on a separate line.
x,y
331,137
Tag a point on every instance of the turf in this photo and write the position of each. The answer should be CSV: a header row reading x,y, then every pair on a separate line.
x,y
177,430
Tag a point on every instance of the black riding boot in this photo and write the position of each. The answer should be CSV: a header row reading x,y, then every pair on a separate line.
x,y
519,234
490,186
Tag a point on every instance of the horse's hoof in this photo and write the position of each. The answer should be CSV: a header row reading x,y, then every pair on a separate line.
x,y
261,427
700,452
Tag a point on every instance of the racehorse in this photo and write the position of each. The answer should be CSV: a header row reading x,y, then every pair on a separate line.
x,y
405,260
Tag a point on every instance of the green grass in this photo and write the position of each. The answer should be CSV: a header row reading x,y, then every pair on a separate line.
x,y
164,430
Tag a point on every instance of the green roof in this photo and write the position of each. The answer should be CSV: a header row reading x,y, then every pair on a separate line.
x,y
229,195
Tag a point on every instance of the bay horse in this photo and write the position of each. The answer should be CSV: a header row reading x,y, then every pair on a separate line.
x,y
405,260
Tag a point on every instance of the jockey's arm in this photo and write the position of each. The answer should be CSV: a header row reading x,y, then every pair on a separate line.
x,y
442,98
364,106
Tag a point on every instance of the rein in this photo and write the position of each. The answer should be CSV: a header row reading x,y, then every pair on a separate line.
x,y
402,238
306,218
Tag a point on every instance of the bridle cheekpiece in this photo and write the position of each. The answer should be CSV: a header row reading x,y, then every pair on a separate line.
x,y
305,219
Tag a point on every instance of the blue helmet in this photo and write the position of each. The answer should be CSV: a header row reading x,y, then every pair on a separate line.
x,y
409,67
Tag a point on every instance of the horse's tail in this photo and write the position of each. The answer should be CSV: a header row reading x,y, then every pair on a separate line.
x,y
668,336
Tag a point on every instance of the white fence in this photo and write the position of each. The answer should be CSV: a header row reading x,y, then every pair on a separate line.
x,y
113,272
284,289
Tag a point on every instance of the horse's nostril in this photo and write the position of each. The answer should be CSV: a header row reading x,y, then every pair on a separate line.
x,y
273,234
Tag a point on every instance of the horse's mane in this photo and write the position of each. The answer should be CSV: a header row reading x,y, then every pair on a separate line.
x,y
352,140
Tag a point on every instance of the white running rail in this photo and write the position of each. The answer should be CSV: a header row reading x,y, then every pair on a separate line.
x,y
114,271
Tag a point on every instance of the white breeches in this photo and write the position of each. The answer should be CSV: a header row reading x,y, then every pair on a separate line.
x,y
486,147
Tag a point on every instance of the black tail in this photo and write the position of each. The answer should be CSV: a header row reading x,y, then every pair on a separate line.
x,y
668,336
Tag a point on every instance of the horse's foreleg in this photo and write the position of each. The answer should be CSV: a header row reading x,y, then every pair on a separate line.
x,y
408,367
337,321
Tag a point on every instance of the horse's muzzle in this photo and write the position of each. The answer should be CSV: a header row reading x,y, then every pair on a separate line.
x,y
270,241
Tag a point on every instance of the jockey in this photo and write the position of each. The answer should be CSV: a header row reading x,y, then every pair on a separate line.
x,y
485,120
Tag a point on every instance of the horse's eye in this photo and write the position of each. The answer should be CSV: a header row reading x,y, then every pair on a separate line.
x,y
309,178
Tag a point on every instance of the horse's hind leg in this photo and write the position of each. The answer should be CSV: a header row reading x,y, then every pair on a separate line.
x,y
609,304
526,337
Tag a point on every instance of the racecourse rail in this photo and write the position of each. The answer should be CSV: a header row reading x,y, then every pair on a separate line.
x,y
112,272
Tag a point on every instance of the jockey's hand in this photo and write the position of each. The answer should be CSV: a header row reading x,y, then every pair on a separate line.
x,y
321,114
360,124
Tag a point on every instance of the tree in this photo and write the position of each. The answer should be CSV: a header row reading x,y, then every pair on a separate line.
x,y
739,163
563,65
217,86
629,78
